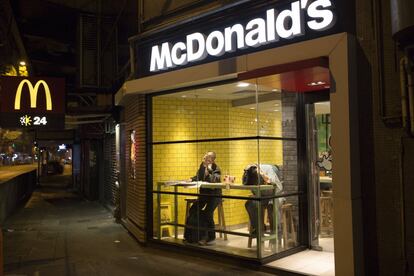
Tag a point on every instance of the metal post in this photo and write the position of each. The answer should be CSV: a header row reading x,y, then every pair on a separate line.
x,y
275,220
1,252
175,212
159,211
259,224
99,46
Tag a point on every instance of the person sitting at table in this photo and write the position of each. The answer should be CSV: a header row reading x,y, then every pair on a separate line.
x,y
256,176
201,213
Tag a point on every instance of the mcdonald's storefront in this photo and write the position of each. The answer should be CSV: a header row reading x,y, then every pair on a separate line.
x,y
279,96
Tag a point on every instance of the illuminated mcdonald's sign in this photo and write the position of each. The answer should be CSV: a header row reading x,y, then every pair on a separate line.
x,y
33,94
32,102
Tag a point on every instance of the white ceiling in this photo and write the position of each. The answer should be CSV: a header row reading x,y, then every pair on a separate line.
x,y
244,90
233,91
229,91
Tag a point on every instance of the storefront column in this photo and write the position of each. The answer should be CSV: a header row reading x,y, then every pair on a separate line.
x,y
346,166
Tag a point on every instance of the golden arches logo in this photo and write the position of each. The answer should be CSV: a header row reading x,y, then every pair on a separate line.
x,y
33,94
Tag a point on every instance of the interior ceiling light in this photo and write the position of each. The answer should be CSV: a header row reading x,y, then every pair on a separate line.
x,y
252,108
243,84
210,89
22,63
276,110
316,83
275,90
183,96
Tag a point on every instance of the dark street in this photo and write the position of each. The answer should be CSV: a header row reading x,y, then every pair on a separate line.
x,y
58,233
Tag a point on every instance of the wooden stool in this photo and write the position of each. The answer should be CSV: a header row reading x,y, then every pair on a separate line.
x,y
326,209
166,231
221,220
287,222
220,209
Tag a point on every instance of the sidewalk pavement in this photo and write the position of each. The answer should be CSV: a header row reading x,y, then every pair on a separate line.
x,y
57,233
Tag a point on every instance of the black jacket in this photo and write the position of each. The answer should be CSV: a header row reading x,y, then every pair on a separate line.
x,y
213,176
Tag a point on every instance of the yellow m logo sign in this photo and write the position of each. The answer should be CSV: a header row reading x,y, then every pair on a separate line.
x,y
33,94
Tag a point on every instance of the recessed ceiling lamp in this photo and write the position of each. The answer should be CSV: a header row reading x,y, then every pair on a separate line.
x,y
316,83
22,63
184,96
209,89
275,90
243,84
276,110
252,108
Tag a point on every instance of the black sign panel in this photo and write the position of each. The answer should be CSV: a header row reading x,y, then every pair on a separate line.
x,y
32,103
247,16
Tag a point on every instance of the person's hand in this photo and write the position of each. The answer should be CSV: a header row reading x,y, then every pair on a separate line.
x,y
266,178
207,162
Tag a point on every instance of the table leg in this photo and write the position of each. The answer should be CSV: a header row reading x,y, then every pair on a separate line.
x,y
275,222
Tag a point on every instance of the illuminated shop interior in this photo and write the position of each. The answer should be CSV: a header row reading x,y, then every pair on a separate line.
x,y
245,122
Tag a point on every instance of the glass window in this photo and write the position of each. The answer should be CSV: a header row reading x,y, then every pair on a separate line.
x,y
225,168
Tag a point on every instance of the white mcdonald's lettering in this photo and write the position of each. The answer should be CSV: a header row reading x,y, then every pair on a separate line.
x,y
33,94
274,26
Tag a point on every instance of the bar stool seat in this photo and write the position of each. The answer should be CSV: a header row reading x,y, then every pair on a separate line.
x,y
220,210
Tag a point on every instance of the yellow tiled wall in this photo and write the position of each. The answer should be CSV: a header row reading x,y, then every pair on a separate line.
x,y
177,119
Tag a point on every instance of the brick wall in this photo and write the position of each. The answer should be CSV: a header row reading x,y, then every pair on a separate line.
x,y
136,188
290,152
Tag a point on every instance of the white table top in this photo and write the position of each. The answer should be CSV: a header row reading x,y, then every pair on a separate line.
x,y
198,184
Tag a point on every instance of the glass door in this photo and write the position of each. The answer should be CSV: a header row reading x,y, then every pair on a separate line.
x,y
319,154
